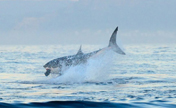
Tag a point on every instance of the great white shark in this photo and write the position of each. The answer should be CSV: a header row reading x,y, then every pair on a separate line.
x,y
58,65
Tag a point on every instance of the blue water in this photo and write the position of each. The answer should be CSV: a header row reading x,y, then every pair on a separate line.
x,y
145,77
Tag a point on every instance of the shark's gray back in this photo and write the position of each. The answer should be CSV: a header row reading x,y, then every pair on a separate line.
x,y
71,60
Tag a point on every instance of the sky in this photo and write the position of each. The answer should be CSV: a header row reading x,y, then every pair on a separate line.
x,y
35,22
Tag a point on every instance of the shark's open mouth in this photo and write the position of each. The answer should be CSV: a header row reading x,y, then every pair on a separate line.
x,y
48,71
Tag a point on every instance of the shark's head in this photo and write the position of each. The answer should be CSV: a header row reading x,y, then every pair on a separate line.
x,y
52,68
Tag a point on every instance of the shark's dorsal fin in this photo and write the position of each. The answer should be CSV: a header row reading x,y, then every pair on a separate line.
x,y
79,51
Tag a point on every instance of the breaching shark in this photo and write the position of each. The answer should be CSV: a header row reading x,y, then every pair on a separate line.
x,y
60,64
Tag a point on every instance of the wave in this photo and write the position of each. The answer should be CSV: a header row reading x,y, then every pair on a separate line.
x,y
66,104
87,104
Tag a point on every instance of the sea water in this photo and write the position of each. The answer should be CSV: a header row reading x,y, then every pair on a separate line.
x,y
144,77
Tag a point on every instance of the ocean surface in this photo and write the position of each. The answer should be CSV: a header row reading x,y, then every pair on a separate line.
x,y
144,77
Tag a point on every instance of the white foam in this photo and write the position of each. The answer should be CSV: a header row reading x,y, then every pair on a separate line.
x,y
96,69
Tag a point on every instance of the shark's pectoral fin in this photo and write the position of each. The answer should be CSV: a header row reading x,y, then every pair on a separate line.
x,y
48,71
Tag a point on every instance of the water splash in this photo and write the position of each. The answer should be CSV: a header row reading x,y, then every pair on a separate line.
x,y
95,70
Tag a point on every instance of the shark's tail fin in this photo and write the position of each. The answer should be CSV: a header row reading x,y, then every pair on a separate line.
x,y
113,44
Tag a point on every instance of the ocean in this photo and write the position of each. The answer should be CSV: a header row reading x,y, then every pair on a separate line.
x,y
144,77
